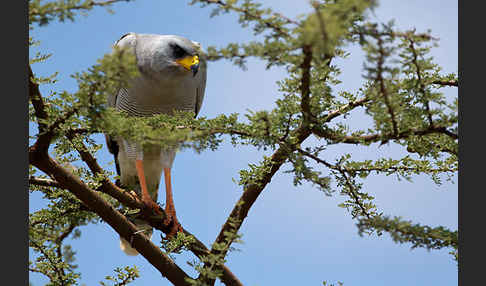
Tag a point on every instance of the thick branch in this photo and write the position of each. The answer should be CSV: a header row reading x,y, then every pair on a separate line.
x,y
251,193
37,101
132,201
116,220
43,182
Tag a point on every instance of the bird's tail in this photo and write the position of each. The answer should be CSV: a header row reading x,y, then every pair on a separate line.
x,y
144,228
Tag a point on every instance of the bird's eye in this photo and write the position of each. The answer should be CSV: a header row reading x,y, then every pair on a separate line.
x,y
178,51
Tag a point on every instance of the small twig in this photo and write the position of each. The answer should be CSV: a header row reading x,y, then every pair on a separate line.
x,y
321,21
338,168
43,182
248,15
446,83
305,84
53,264
419,79
383,90
358,139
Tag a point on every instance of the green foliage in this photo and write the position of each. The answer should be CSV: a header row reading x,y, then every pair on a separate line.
x,y
402,96
43,12
123,276
404,231
181,242
324,283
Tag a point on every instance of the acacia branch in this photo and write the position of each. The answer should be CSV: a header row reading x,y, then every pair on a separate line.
x,y
46,274
52,263
377,137
46,133
132,201
353,193
384,92
305,84
250,16
344,109
37,101
419,79
116,220
43,182
322,25
251,193
446,83
61,238
57,10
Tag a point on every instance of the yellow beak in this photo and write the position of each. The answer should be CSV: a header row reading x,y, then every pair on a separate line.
x,y
190,63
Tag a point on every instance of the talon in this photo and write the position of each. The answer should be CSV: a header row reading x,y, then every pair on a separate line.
x,y
174,225
152,206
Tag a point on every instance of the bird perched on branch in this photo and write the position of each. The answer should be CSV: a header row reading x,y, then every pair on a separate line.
x,y
172,78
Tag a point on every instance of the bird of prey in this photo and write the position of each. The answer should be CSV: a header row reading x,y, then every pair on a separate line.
x,y
172,77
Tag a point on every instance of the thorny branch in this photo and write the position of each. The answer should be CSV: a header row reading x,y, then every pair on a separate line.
x,y
43,182
90,4
377,137
383,90
132,201
446,83
251,16
419,79
352,192
39,158
60,272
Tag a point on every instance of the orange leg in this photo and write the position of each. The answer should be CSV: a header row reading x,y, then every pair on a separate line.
x,y
146,199
169,205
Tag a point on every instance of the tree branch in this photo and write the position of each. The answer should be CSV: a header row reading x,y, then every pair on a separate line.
x,y
37,101
251,193
248,15
117,221
383,90
446,83
305,84
132,201
56,269
371,138
419,79
353,193
91,4
43,182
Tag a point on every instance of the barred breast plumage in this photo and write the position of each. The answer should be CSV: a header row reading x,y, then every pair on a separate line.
x,y
162,87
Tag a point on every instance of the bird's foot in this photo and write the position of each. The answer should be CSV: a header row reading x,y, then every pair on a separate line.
x,y
172,222
151,205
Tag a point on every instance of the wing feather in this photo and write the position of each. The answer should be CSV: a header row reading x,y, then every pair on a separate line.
x,y
113,146
201,87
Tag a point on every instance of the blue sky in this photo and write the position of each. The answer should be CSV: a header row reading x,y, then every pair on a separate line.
x,y
293,235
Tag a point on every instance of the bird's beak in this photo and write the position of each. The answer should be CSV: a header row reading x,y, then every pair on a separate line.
x,y
190,63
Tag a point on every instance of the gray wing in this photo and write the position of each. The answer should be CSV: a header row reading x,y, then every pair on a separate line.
x,y
111,143
201,87
113,146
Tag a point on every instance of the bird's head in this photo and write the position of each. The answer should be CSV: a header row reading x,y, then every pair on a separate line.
x,y
164,57
177,55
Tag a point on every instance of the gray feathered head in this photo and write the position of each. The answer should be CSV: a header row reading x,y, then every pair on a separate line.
x,y
166,54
